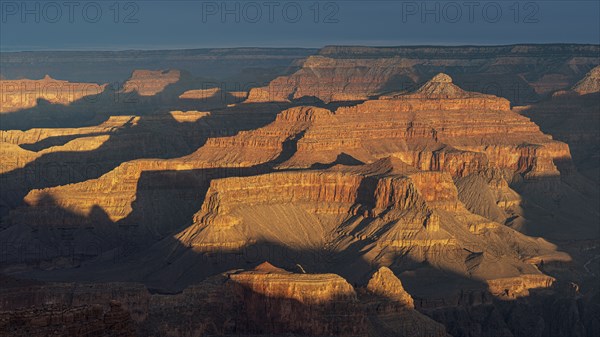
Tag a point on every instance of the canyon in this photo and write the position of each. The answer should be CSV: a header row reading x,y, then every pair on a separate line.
x,y
360,192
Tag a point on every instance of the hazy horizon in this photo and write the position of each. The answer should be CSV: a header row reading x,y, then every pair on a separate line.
x,y
160,25
297,47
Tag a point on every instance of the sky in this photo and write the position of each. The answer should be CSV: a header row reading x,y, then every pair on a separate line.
x,y
178,24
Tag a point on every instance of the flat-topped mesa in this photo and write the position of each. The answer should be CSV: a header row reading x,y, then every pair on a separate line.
x,y
266,94
307,304
314,202
272,282
25,93
440,93
214,95
151,82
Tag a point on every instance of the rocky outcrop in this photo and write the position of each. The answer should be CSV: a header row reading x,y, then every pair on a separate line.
x,y
273,142
384,283
390,309
439,93
23,94
151,82
311,304
590,83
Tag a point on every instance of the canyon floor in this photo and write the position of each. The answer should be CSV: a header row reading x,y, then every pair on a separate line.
x,y
347,191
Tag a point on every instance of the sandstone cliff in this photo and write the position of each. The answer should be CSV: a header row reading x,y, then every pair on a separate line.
x,y
390,308
151,82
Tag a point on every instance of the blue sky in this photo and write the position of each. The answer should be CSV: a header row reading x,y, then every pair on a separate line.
x,y
119,25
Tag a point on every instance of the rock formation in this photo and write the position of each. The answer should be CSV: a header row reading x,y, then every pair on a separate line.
x,y
22,94
387,207
390,308
310,304
389,201
590,83
384,283
405,203
151,82
215,96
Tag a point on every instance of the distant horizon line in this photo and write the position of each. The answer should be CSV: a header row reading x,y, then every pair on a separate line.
x,y
302,48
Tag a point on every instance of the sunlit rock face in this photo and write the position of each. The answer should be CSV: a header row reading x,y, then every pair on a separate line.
x,y
22,94
151,82
437,127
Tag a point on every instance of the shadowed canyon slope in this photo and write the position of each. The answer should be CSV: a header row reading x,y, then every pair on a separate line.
x,y
572,117
427,209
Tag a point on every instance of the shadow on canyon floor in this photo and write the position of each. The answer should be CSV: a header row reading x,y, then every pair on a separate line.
x,y
573,119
